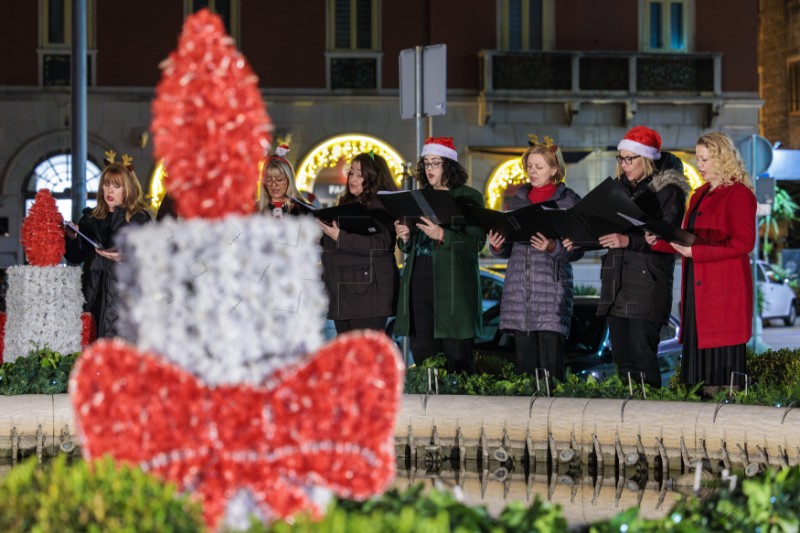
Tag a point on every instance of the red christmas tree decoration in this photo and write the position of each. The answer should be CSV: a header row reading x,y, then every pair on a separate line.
x,y
209,122
43,231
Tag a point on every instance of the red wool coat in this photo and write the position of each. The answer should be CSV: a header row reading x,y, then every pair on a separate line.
x,y
723,276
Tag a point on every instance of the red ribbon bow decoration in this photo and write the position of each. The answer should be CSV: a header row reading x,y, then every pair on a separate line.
x,y
326,422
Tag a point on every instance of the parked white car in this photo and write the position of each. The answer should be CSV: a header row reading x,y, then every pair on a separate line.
x,y
779,298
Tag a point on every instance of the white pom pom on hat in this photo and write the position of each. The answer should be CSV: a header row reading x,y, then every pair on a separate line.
x,y
642,141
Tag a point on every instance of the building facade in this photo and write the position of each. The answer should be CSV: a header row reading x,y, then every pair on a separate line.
x,y
580,71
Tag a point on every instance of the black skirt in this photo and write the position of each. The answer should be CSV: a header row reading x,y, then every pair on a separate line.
x,y
712,366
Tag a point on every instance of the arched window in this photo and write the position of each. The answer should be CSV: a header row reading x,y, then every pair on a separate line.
x,y
55,173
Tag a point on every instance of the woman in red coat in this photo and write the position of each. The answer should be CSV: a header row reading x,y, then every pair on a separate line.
x,y
717,303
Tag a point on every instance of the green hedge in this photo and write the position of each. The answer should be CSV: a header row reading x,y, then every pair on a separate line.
x,y
77,497
100,497
41,372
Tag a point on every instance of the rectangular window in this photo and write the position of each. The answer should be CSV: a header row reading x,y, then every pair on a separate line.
x,y
56,22
353,25
55,40
666,25
228,11
793,89
522,24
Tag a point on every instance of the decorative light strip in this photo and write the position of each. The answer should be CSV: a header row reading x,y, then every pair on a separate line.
x,y
328,153
506,174
157,189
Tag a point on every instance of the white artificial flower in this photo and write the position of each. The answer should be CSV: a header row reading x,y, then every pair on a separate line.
x,y
43,310
229,300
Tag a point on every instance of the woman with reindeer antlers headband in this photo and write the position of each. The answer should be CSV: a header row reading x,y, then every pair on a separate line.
x,y
537,299
279,195
120,202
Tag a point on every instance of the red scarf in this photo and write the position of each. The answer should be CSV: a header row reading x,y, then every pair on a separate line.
x,y
538,195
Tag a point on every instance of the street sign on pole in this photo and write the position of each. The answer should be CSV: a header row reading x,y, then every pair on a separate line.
x,y
757,154
433,84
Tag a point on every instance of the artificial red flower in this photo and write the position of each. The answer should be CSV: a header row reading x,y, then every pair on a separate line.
x,y
327,422
209,122
43,231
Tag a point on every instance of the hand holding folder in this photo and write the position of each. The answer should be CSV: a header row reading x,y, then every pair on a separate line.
x,y
73,227
663,230
409,207
352,218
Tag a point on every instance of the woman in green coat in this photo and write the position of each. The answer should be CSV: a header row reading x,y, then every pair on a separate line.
x,y
439,305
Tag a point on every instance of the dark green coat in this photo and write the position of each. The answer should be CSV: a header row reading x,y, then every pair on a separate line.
x,y
457,300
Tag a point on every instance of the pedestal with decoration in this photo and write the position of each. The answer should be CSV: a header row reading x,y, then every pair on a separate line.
x,y
44,302
224,385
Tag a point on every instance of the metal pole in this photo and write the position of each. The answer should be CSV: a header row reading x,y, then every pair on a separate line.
x,y
78,124
418,103
418,121
757,327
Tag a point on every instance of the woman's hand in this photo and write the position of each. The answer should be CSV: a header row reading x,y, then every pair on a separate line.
x,y
685,251
111,254
614,240
402,231
568,245
542,243
331,231
496,240
68,231
430,229
650,238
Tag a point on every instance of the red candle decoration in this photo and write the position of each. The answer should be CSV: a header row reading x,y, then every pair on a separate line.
x,y
43,231
209,122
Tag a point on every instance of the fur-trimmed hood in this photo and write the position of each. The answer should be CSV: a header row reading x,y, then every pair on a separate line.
x,y
669,171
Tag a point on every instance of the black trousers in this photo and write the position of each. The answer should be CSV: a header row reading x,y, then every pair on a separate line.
x,y
540,349
634,346
424,345
377,323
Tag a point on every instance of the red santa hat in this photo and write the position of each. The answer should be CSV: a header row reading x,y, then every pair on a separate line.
x,y
441,146
642,141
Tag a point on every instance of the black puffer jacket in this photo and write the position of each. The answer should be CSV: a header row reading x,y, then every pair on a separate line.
x,y
538,285
99,273
637,281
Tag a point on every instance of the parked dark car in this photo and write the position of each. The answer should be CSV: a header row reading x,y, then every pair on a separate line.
x,y
588,349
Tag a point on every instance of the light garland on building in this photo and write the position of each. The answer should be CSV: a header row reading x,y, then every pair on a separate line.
x,y
329,153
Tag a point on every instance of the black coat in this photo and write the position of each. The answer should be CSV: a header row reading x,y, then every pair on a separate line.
x,y
360,271
99,273
637,281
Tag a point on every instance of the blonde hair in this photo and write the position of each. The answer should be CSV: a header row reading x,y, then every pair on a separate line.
x,y
284,168
553,158
132,196
726,161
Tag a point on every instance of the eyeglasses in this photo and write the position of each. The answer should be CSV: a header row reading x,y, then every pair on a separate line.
x,y
271,180
627,160
432,165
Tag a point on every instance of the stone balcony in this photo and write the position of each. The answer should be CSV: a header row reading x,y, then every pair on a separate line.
x,y
623,78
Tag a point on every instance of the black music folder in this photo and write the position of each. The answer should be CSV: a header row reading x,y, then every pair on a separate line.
x,y
595,215
517,225
436,205
352,218
663,230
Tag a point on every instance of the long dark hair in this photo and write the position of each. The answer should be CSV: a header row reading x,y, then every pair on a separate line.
x,y
453,174
377,177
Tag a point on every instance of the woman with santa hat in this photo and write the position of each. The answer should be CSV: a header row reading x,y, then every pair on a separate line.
x,y
439,305
636,288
